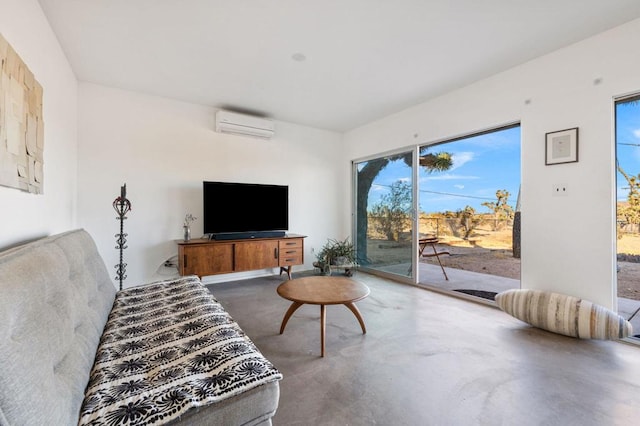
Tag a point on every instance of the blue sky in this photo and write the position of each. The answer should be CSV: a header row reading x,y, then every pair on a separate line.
x,y
481,165
627,132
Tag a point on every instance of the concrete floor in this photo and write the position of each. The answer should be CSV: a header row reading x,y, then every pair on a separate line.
x,y
432,359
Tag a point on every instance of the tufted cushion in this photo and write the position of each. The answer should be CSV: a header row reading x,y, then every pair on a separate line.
x,y
55,296
564,314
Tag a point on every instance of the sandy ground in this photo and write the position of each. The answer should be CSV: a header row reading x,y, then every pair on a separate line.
x,y
629,280
487,261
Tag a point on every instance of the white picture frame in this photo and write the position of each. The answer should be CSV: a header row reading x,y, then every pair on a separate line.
x,y
561,146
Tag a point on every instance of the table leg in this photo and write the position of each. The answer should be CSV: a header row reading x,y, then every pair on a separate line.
x,y
294,306
356,312
437,255
286,269
323,321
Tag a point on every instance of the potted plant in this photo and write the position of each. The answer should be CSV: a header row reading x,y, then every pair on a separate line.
x,y
335,252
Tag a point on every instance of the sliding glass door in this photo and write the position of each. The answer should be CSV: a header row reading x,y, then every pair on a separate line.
x,y
456,199
384,214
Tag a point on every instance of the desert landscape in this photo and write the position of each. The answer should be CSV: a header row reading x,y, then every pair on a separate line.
x,y
489,252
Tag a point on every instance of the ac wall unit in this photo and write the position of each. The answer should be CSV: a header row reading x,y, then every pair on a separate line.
x,y
241,124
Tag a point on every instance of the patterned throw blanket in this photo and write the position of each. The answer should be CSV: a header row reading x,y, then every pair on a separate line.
x,y
168,347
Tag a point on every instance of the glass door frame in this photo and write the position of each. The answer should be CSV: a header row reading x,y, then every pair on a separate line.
x,y
414,278
628,97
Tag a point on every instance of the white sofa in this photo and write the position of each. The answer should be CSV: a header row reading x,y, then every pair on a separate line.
x,y
75,351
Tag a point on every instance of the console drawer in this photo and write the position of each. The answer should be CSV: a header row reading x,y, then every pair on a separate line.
x,y
290,243
291,252
290,257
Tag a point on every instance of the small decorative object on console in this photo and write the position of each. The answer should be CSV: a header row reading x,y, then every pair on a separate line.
x,y
188,218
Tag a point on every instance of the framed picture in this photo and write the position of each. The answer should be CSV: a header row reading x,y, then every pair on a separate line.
x,y
561,147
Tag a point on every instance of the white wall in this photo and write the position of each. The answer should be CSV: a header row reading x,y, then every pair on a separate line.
x,y
568,243
163,149
25,216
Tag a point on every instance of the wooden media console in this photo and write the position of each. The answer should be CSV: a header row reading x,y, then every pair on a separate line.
x,y
204,257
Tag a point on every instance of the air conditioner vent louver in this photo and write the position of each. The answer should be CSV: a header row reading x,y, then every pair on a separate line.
x,y
241,124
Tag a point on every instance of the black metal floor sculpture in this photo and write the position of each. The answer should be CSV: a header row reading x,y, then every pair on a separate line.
x,y
122,206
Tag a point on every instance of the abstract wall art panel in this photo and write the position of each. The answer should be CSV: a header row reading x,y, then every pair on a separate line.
x,y
21,124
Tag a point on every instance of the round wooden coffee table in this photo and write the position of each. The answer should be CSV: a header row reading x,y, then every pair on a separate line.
x,y
323,291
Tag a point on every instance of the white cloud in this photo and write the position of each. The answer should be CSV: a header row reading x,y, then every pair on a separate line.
x,y
636,133
458,186
449,176
460,158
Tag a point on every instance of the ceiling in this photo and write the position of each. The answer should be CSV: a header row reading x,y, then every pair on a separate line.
x,y
330,64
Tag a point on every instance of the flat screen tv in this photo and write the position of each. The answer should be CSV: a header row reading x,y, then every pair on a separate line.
x,y
244,210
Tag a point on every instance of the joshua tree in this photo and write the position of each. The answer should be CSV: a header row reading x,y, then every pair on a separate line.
x,y
468,221
631,213
501,210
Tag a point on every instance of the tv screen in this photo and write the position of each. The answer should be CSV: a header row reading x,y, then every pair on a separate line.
x,y
244,207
